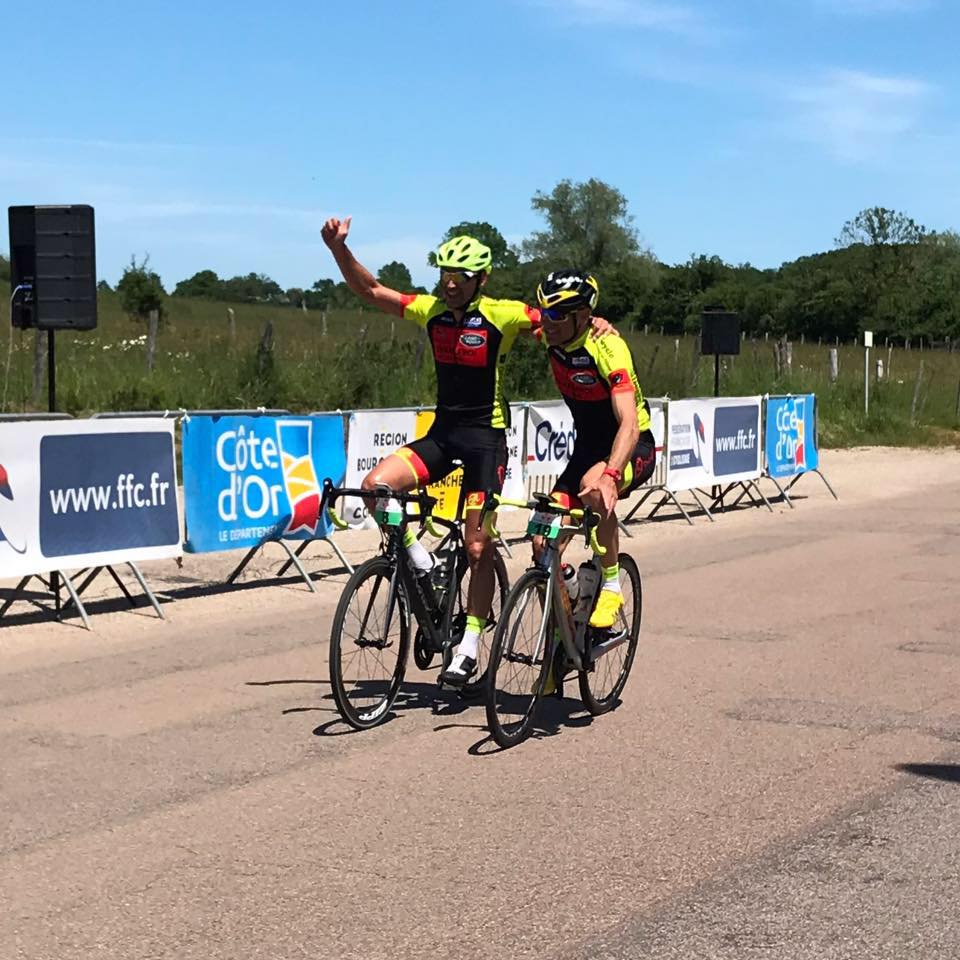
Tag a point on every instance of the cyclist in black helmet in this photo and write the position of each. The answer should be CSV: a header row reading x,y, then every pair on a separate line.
x,y
614,451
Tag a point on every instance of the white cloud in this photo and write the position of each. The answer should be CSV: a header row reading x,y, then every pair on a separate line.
x,y
857,115
661,15
871,7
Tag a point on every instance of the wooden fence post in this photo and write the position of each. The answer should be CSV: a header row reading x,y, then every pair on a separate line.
x,y
265,349
653,360
834,364
916,394
153,325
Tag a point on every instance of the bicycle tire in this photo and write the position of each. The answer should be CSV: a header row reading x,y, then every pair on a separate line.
x,y
503,703
382,694
596,697
500,589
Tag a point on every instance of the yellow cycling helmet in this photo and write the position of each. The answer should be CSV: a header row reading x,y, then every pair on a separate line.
x,y
565,290
464,253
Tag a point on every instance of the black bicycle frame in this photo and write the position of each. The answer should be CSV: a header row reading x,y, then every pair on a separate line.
x,y
403,572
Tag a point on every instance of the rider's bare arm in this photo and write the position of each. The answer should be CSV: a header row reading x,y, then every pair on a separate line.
x,y
628,432
598,326
359,279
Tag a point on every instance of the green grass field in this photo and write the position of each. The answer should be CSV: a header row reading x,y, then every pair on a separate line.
x,y
368,360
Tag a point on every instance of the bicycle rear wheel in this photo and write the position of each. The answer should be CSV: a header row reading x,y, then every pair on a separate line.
x,y
519,660
368,656
602,684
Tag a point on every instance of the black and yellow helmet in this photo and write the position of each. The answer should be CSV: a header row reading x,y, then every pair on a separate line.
x,y
565,290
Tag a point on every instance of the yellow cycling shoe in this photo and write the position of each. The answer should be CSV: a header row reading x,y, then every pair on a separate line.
x,y
608,606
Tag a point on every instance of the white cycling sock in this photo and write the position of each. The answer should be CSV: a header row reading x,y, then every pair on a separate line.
x,y
611,578
470,644
420,557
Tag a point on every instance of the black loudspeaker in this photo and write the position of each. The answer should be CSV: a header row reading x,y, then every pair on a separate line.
x,y
53,272
720,333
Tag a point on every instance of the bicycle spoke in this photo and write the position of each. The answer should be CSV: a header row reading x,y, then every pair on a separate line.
x,y
524,638
368,651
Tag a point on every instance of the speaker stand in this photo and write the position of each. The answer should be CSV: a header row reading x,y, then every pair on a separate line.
x,y
52,404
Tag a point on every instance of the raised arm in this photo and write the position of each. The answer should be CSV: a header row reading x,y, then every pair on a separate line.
x,y
359,279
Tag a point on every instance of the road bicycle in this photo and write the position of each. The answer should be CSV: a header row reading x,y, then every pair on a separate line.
x,y
541,636
385,597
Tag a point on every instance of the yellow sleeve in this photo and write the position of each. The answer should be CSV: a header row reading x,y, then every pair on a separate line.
x,y
418,307
614,357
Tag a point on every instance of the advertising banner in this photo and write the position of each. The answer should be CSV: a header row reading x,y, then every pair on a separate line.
x,y
658,427
79,493
791,436
371,436
514,484
713,441
247,480
550,438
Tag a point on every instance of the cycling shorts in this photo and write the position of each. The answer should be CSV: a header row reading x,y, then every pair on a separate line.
x,y
482,450
638,470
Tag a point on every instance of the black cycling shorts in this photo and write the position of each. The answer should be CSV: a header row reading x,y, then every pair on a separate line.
x,y
482,450
639,469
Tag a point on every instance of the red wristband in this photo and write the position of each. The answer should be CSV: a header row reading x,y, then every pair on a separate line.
x,y
616,474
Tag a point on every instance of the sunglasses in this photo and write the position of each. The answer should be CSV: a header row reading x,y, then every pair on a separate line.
x,y
456,276
555,315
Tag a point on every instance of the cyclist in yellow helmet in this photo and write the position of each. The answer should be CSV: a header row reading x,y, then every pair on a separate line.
x,y
471,335
614,451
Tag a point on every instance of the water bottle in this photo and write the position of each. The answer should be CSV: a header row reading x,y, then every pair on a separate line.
x,y
589,582
444,561
570,582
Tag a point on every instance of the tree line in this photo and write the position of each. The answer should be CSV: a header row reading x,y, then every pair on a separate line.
x,y
885,273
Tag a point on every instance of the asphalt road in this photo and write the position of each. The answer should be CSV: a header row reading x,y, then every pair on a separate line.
x,y
781,779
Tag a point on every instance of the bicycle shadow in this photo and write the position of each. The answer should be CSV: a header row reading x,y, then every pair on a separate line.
x,y
554,715
415,696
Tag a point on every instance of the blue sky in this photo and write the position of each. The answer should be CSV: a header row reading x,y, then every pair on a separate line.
x,y
216,135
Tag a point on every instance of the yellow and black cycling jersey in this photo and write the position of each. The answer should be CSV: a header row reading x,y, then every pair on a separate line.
x,y
469,353
588,371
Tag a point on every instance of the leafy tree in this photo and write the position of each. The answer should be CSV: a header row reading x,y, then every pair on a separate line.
x,y
588,226
883,257
875,226
140,290
502,256
318,296
343,298
626,288
253,288
205,284
4,268
396,276
104,287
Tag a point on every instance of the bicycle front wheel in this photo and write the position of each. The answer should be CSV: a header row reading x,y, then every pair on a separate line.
x,y
368,655
519,660
602,684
